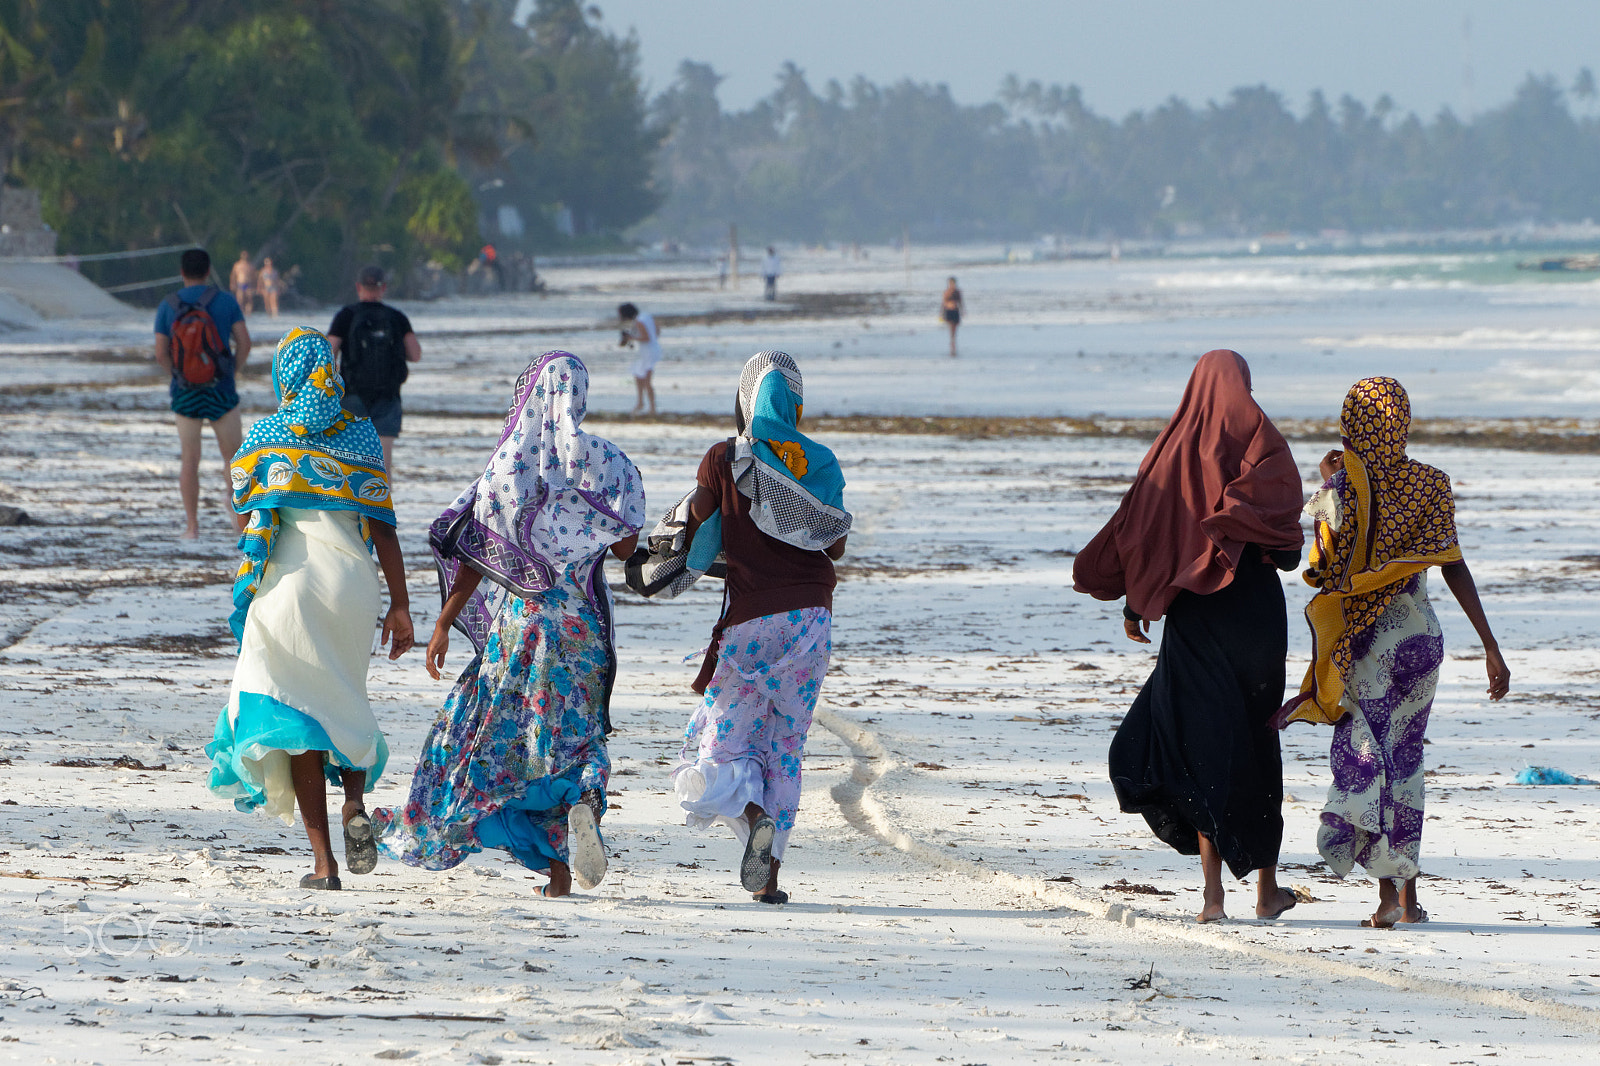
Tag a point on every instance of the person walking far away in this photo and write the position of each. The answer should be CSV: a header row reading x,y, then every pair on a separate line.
x,y
271,286
202,340
308,476
771,267
1212,514
374,343
639,327
242,282
1382,520
517,758
772,501
950,307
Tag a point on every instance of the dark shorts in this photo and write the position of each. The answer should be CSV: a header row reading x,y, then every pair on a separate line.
x,y
385,413
952,316
206,402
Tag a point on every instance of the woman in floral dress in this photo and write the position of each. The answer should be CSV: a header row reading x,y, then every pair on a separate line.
x,y
773,499
517,758
1382,520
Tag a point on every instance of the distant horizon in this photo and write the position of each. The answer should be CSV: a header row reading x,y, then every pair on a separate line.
x,y
1427,56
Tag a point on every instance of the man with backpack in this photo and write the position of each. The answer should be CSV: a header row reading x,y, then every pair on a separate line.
x,y
202,341
373,343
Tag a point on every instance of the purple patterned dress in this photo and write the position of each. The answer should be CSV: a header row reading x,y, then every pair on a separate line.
x,y
1374,811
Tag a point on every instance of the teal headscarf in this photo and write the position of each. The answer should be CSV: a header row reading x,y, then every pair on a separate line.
x,y
311,453
794,484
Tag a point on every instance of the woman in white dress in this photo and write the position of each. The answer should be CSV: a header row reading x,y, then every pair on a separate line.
x,y
639,327
311,478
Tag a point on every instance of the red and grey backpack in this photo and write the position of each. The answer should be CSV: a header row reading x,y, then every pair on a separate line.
x,y
195,343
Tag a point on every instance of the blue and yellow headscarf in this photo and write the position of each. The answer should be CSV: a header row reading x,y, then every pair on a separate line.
x,y
311,453
794,484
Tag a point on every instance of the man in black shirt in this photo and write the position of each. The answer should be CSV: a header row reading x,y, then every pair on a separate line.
x,y
373,343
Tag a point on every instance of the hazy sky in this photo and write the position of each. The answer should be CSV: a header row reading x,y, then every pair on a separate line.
x,y
1128,54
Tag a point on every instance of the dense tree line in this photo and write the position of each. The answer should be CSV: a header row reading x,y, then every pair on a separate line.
x,y
325,133
860,162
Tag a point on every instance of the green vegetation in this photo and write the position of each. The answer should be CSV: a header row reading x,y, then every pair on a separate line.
x,y
324,133
858,163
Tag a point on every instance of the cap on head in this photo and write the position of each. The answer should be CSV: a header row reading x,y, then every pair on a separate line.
x,y
371,277
195,263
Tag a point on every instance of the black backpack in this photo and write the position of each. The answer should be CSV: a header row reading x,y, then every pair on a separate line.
x,y
372,359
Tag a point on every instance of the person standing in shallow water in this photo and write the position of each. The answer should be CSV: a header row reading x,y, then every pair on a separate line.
x,y
1382,519
1212,514
517,759
772,501
951,306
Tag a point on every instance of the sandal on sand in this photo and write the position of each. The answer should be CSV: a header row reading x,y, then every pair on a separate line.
x,y
775,898
755,869
1202,920
1386,921
1275,915
1422,916
327,884
584,847
360,844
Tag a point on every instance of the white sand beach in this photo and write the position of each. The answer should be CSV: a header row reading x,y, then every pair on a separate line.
x,y
964,887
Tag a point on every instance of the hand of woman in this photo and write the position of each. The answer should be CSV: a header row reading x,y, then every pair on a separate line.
x,y
437,647
1331,463
1499,674
397,632
1131,627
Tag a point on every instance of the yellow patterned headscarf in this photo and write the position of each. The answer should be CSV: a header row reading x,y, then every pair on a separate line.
x,y
1379,521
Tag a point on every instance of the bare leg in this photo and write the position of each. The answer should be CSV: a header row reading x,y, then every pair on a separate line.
x,y
1389,909
388,458
560,880
1211,869
230,434
311,793
1271,900
355,788
638,389
650,391
1414,911
189,473
952,340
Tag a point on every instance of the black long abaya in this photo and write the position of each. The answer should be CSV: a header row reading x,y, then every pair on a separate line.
x,y
1195,753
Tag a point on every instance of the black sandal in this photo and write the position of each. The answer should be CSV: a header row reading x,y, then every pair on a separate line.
x,y
755,869
775,898
326,884
360,844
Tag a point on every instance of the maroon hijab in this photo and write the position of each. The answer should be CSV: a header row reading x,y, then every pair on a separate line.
x,y
1219,477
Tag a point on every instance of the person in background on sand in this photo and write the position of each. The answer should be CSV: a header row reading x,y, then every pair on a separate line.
x,y
1382,519
771,267
242,282
202,340
950,307
311,478
375,345
271,286
773,502
639,327
1212,514
517,758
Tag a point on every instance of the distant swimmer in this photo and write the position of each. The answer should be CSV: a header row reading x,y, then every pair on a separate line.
x,y
950,308
242,282
639,327
771,267
271,285
202,340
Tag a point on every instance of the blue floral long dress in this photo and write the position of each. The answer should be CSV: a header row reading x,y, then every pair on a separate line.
x,y
521,736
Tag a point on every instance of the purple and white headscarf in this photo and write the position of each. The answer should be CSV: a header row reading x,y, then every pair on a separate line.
x,y
551,501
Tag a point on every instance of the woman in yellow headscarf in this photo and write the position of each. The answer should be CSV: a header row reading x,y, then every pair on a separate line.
x,y
1382,519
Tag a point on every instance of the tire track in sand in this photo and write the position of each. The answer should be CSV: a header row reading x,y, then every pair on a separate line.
x,y
871,762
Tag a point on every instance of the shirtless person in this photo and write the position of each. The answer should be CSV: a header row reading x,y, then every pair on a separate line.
x,y
950,307
242,281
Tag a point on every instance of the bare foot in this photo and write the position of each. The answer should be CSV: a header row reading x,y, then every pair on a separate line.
x,y
1276,904
192,533
560,881
1212,912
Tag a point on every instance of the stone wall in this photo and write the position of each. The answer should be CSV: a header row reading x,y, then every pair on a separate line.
x,y
22,228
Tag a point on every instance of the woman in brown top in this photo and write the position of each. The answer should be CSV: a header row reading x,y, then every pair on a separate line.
x,y
776,498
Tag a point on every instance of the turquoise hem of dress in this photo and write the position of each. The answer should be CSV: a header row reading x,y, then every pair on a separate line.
x,y
265,724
